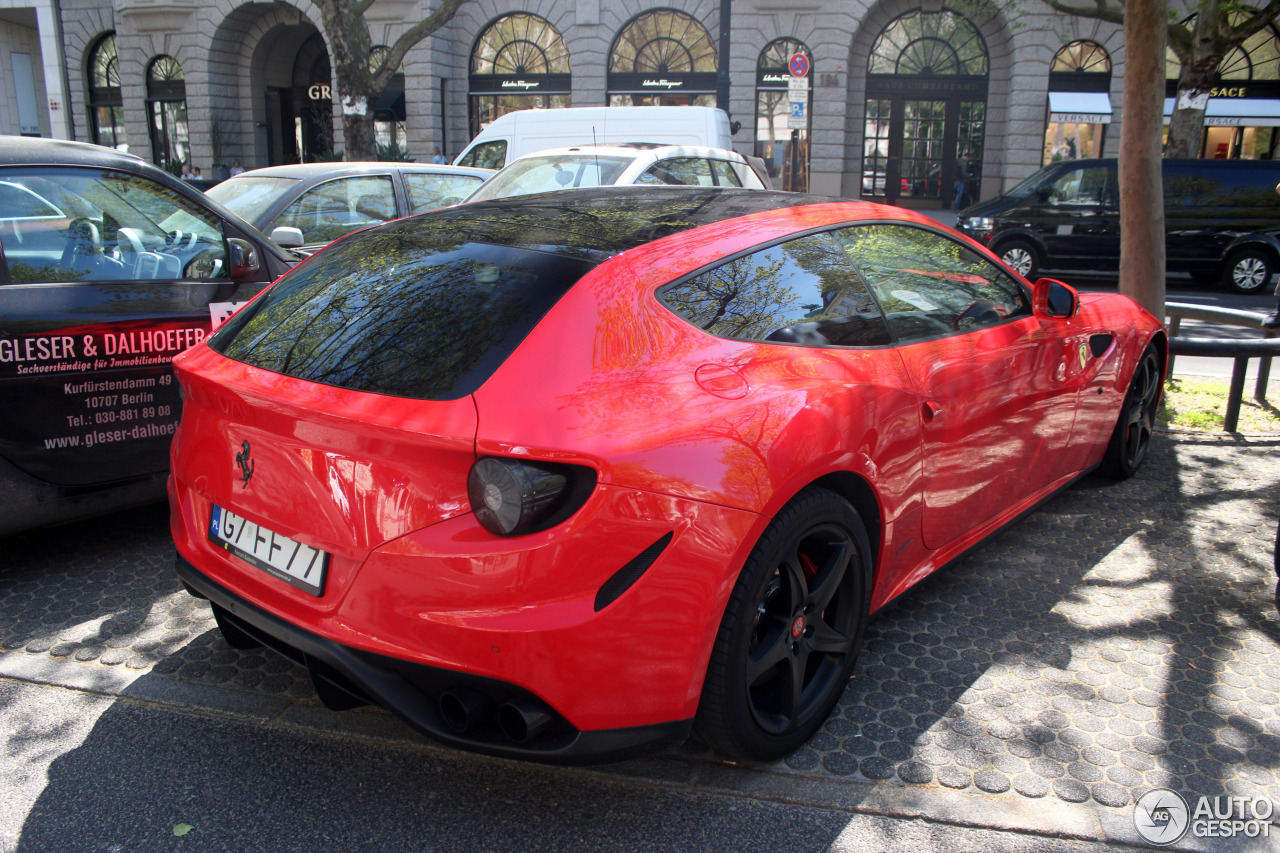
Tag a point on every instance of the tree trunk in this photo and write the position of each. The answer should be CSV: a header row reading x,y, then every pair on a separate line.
x,y
1142,250
357,132
350,43
1186,125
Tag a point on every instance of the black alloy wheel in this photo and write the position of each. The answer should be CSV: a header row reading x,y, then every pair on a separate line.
x,y
791,631
1132,436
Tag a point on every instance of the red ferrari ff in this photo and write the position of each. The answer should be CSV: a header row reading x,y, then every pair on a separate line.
x,y
565,476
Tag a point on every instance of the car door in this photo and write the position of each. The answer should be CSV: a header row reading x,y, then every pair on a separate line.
x,y
1078,218
995,415
90,321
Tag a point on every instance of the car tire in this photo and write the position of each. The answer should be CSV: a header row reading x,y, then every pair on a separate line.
x,y
791,631
1248,270
1022,257
1127,448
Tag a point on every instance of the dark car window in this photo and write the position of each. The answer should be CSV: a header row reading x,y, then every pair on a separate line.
x,y
1085,186
684,171
803,291
107,226
1242,186
929,285
420,310
329,210
428,191
487,155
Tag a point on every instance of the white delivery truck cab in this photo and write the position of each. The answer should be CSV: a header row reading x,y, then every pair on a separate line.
x,y
525,131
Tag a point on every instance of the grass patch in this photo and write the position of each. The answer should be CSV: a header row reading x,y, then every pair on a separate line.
x,y
1199,404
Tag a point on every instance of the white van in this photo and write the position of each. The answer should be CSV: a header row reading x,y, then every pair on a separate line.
x,y
525,131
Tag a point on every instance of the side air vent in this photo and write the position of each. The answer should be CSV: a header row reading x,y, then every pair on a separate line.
x,y
623,579
1098,344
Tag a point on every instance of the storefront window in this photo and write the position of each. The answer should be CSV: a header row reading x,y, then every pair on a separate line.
x,y
1079,102
784,149
1243,113
663,58
106,106
520,62
167,111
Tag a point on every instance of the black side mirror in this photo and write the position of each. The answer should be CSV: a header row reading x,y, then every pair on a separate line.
x,y
1052,298
1044,193
244,259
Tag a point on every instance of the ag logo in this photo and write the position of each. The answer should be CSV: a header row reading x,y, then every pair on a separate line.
x,y
1161,816
245,463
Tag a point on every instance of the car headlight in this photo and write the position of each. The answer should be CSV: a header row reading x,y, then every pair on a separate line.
x,y
977,223
511,496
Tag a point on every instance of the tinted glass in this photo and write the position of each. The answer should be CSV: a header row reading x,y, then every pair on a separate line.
x,y
1081,187
108,226
803,291
427,191
1249,187
487,155
326,212
416,309
931,286
18,202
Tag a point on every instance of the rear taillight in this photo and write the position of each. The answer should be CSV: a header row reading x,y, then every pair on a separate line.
x,y
512,496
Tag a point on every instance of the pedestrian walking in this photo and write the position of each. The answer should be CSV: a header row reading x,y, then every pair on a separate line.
x,y
961,178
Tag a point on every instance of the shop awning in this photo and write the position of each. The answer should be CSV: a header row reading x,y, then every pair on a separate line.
x,y
1087,107
1236,112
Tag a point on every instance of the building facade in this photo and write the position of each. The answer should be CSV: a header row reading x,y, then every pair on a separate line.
x,y
884,99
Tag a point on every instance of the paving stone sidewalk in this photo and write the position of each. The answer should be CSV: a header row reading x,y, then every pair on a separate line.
x,y
1121,638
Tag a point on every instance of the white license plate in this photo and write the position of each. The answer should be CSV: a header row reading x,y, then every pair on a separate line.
x,y
287,559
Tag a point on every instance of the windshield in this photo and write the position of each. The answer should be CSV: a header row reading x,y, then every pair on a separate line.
x,y
1031,184
250,197
554,172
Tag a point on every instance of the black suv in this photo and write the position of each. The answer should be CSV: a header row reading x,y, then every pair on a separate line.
x,y
109,267
1222,220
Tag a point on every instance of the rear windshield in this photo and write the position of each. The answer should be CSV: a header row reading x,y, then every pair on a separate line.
x,y
530,175
425,310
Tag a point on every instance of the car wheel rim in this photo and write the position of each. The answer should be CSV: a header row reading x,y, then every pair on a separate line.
x,y
1140,417
1019,260
804,629
1249,273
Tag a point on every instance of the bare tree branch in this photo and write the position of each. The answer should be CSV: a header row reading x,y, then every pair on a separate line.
x,y
415,34
1100,10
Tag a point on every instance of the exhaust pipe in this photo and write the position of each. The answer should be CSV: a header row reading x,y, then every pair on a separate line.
x,y
464,709
524,719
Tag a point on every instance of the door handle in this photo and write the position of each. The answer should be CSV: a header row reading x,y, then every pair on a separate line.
x,y
931,410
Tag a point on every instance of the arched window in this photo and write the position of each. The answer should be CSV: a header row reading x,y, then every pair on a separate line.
x,y
520,62
925,116
931,44
106,105
167,110
663,57
1079,101
783,143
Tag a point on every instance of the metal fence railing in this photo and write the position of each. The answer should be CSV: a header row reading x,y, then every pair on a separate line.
x,y
1240,349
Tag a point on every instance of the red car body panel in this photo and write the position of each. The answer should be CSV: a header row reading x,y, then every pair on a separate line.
x,y
689,434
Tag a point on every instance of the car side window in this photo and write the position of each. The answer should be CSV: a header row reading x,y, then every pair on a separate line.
x,y
428,191
101,225
1085,186
803,291
725,175
486,155
684,171
929,285
334,208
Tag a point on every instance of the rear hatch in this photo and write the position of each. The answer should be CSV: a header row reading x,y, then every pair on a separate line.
x,y
336,410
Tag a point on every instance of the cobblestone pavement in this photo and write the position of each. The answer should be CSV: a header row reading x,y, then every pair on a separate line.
x,y
1123,637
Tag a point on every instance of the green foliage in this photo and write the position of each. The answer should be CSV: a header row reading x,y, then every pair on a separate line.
x,y
391,152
